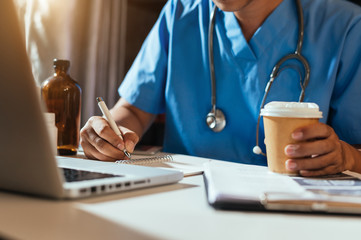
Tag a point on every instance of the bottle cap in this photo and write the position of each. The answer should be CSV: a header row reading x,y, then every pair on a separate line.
x,y
61,63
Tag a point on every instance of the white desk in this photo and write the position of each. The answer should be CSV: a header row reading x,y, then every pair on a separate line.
x,y
178,211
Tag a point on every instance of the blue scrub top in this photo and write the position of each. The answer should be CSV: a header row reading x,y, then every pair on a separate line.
x,y
171,73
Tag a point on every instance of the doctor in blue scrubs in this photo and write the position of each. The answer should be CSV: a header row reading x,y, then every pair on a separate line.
x,y
171,75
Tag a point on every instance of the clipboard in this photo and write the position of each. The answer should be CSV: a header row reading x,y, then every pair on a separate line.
x,y
233,186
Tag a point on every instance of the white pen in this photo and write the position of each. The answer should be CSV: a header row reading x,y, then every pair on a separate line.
x,y
103,107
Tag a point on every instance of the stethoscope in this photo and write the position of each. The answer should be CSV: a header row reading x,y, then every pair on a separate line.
x,y
216,119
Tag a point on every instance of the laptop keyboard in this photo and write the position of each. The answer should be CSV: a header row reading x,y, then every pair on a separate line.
x,y
74,175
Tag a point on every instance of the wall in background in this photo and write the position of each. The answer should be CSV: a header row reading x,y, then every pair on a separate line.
x,y
141,15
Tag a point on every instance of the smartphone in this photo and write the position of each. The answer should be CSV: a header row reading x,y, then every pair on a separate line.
x,y
147,149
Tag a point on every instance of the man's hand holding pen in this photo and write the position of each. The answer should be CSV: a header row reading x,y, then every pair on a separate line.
x,y
102,139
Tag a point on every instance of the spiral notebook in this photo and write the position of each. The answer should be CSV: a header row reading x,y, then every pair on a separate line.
x,y
189,165
157,160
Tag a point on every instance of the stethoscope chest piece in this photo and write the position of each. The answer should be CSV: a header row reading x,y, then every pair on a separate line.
x,y
216,120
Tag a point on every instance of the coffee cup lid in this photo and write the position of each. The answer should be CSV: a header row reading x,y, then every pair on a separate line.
x,y
291,109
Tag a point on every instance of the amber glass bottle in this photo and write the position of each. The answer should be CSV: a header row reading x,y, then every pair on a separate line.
x,y
62,96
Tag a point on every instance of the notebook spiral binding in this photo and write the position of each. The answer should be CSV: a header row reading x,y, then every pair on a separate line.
x,y
146,161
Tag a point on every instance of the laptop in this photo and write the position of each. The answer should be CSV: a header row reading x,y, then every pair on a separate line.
x,y
27,162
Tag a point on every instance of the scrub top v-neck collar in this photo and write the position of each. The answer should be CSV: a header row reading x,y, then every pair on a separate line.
x,y
274,26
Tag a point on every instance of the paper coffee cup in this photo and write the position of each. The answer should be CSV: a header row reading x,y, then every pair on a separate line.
x,y
280,120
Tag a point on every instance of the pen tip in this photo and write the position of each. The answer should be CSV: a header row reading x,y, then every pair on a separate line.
x,y
99,99
127,153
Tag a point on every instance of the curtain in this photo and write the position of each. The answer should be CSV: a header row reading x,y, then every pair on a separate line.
x,y
89,33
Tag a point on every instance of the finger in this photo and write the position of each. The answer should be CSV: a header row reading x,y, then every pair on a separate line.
x,y
86,146
88,154
103,130
84,141
130,139
305,149
314,131
93,153
313,163
105,148
320,172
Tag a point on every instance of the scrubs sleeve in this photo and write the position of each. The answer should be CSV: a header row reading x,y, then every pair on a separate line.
x,y
345,106
144,84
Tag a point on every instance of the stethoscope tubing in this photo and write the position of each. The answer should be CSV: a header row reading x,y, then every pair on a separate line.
x,y
275,71
211,58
